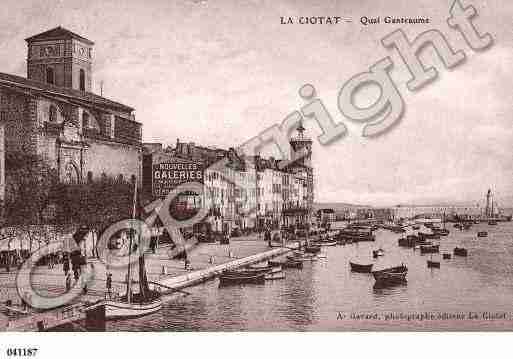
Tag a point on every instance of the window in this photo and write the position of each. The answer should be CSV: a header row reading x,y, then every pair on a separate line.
x,y
52,114
85,120
50,76
82,80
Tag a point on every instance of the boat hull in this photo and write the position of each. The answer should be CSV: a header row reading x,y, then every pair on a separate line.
x,y
462,252
119,310
433,264
361,268
391,275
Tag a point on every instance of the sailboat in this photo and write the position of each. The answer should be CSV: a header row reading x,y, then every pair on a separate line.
x,y
134,304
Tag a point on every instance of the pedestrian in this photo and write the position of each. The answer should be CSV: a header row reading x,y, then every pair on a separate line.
x,y
65,265
68,282
108,284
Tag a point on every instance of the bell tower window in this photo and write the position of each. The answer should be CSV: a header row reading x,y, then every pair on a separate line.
x,y
82,80
50,76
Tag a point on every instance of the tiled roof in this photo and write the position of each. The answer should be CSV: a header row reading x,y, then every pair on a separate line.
x,y
90,97
58,33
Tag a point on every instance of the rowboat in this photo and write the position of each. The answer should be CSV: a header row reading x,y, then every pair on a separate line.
x,y
355,234
240,277
410,241
361,268
304,257
289,263
391,275
325,243
482,234
378,253
462,252
274,276
123,309
441,231
429,248
433,264
428,236
312,249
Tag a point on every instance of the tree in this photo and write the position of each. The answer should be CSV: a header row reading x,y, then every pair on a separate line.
x,y
30,185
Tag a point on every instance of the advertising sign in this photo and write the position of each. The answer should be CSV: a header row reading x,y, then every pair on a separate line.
x,y
172,173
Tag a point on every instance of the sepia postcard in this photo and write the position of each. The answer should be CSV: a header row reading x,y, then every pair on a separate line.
x,y
255,166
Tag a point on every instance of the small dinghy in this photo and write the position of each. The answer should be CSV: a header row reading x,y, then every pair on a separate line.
x,y
275,275
241,277
304,257
312,248
433,264
360,268
429,249
462,252
327,243
378,253
289,263
391,275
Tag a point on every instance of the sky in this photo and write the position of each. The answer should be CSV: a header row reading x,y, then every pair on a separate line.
x,y
220,72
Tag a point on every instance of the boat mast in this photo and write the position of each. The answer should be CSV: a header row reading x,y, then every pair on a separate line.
x,y
130,245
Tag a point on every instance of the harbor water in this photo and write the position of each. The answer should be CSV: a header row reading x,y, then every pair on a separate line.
x,y
472,293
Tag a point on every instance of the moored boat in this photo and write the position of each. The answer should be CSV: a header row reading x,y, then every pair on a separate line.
x,y
303,257
241,277
121,308
391,275
312,248
433,264
289,263
429,248
378,253
355,234
361,268
462,252
441,231
146,301
428,236
325,243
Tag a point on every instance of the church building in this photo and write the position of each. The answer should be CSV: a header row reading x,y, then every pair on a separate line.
x,y
54,113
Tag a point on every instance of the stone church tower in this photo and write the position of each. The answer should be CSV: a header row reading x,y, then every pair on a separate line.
x,y
60,57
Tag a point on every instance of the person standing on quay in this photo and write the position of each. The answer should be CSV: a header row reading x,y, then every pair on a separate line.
x,y
108,284
65,265
68,282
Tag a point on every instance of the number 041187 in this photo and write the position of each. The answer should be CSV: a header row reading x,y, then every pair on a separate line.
x,y
22,352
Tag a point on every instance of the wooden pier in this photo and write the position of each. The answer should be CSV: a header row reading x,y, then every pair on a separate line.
x,y
202,275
